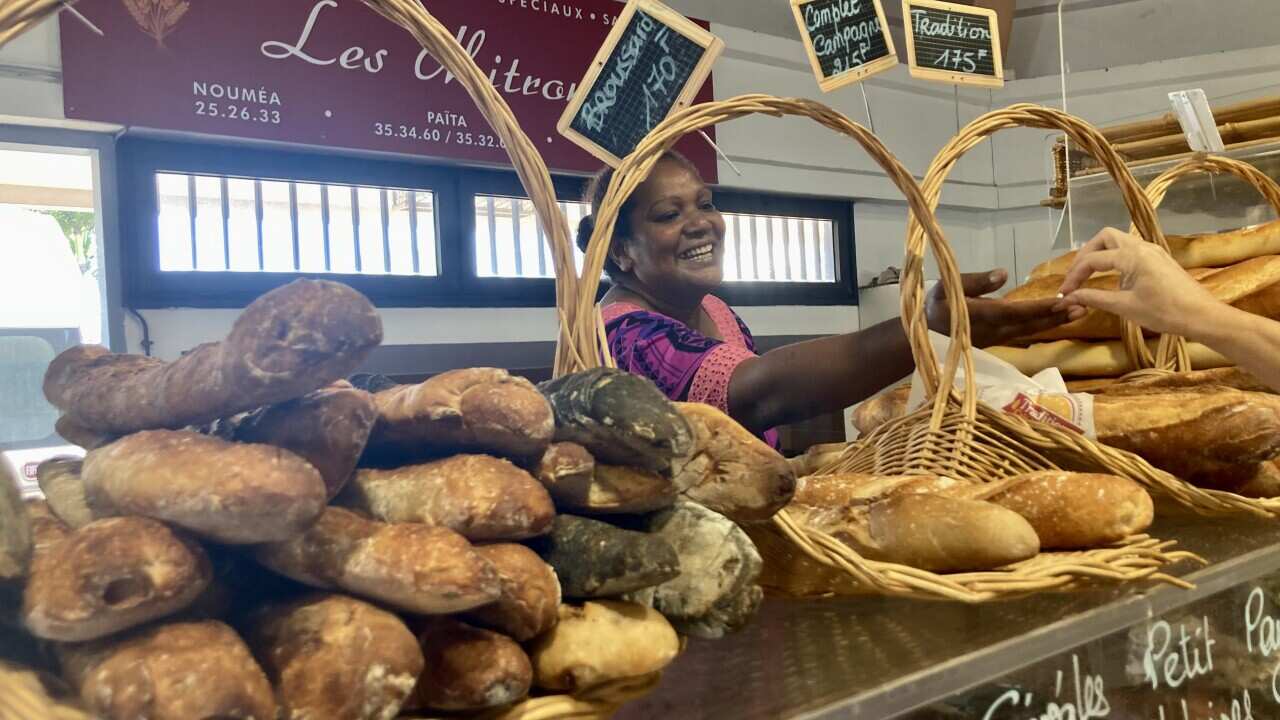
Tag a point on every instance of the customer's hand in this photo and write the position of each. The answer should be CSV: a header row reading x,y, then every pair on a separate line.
x,y
993,321
1155,292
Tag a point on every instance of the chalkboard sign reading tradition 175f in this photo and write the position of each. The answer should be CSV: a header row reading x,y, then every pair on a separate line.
x,y
953,43
847,40
653,62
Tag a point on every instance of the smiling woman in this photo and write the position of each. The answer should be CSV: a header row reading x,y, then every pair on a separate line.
x,y
666,259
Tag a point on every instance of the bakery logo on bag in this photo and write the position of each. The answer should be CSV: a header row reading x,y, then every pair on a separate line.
x,y
1050,409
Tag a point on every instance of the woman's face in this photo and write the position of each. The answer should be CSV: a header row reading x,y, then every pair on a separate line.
x,y
677,245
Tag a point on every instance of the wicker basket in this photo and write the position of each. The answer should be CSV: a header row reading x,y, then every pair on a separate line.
x,y
955,435
19,16
801,562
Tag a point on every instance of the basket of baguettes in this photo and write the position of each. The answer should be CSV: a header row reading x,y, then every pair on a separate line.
x,y
958,499
250,534
1192,414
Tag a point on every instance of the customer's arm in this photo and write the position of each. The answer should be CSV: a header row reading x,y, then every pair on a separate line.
x,y
1159,295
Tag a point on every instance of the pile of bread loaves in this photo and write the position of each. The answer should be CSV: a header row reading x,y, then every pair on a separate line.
x,y
1240,267
1217,427
250,534
947,525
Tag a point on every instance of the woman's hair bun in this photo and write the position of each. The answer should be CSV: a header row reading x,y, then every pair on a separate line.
x,y
586,227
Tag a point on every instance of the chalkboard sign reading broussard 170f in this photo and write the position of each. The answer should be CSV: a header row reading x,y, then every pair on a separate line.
x,y
653,62
953,43
847,40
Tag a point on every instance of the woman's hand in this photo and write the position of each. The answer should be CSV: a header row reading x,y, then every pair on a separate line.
x,y
993,321
1154,292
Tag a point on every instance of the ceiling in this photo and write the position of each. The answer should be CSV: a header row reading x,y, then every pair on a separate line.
x,y
1099,33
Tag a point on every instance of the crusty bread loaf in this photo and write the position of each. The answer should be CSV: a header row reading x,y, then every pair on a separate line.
x,y
1079,358
111,575
229,492
15,527
475,410
619,417
593,559
880,409
817,458
1211,380
1229,285
578,484
1195,251
77,434
530,593
468,668
927,531
602,641
1075,511
328,428
732,471
176,671
331,657
59,480
841,489
287,343
1215,439
408,566
481,497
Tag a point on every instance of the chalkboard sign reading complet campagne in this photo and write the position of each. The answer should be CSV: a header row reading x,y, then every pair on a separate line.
x,y
847,40
653,63
953,43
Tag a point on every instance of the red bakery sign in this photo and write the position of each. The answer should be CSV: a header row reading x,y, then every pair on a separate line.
x,y
334,73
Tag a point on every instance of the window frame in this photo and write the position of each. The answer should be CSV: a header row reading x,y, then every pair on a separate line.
x,y
141,155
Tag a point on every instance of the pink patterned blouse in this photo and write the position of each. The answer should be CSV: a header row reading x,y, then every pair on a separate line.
x,y
684,363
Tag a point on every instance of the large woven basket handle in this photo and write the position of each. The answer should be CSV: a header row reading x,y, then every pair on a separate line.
x,y
1171,355
939,385
529,165
635,168
19,16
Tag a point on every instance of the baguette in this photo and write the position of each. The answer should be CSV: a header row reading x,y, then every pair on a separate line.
x,y
620,418
593,559
852,488
600,642
328,428
1075,511
1215,440
15,527
332,657
816,458
77,434
109,576
930,532
1092,359
177,671
880,409
228,492
288,342
481,497
59,480
415,568
578,484
469,669
476,410
732,471
530,593
1212,380
1197,251
1229,285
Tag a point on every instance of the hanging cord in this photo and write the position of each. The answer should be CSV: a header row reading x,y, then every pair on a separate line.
x,y
1066,148
146,332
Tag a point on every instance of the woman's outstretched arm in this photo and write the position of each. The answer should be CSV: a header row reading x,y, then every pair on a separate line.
x,y
810,378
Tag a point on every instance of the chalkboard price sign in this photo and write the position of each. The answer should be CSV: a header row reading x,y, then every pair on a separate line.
x,y
653,63
847,40
953,43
